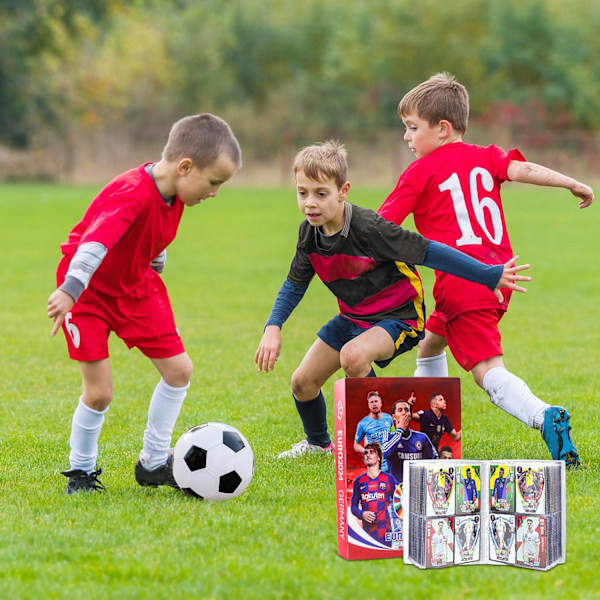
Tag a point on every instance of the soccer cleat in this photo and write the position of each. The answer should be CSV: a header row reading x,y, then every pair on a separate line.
x,y
556,433
163,475
304,447
80,481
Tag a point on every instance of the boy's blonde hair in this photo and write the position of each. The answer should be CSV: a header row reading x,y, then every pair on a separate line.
x,y
326,160
440,97
202,138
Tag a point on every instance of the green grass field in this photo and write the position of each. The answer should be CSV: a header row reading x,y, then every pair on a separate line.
x,y
278,540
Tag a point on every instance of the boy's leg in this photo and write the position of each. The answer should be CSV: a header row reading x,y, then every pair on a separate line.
x,y
86,426
474,335
431,358
319,363
508,392
88,417
357,355
475,342
164,409
512,395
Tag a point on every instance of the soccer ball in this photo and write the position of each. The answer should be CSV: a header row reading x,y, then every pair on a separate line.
x,y
213,461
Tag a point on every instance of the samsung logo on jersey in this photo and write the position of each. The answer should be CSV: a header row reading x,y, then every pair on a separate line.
x,y
410,455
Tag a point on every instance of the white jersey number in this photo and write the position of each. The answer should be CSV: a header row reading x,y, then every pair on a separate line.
x,y
452,184
72,330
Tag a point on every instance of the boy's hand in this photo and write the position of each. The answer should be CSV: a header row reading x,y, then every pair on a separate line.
x,y
509,276
585,192
268,349
59,304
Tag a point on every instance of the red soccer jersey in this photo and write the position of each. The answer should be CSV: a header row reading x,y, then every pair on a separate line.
x,y
454,195
132,220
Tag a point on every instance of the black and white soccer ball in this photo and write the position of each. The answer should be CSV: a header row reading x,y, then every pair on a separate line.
x,y
213,461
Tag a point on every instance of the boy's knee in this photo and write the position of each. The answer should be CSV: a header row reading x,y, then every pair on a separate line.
x,y
176,371
97,397
353,361
303,387
183,373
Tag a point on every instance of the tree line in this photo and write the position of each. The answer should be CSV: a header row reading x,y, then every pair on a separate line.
x,y
284,69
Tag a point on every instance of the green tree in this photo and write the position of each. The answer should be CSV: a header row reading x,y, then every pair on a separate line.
x,y
31,33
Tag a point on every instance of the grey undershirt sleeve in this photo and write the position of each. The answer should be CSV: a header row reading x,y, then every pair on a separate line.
x,y
83,265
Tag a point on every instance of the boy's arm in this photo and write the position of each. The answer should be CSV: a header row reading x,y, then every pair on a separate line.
x,y
449,260
287,299
399,204
83,265
527,172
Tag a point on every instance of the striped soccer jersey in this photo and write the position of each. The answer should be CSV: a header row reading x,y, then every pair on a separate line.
x,y
368,266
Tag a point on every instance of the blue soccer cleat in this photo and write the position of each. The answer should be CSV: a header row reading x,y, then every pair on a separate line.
x,y
556,434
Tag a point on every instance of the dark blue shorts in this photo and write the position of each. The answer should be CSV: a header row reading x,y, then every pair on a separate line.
x,y
339,331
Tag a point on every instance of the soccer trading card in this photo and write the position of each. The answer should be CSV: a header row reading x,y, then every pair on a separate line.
x,y
468,489
466,539
502,488
531,497
440,490
531,541
439,542
378,415
502,538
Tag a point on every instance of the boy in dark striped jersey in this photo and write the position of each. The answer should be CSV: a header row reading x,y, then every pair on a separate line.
x,y
368,264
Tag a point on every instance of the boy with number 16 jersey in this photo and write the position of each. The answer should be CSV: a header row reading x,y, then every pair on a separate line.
x,y
453,191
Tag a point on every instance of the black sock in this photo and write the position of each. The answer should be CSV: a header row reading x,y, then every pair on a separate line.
x,y
314,419
371,373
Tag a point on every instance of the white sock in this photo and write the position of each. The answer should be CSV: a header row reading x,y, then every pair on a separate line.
x,y
432,366
512,395
165,405
85,431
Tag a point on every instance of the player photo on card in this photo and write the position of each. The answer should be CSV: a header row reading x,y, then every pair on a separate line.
x,y
502,488
440,490
440,542
502,538
530,489
468,489
466,539
531,541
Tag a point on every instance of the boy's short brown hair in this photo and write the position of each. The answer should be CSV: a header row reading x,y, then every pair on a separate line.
x,y
440,97
202,138
326,160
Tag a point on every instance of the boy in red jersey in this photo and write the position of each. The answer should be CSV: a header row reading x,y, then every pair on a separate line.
x,y
453,191
108,281
368,264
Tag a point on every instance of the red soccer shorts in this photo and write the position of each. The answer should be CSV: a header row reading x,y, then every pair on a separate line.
x,y
142,319
472,336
